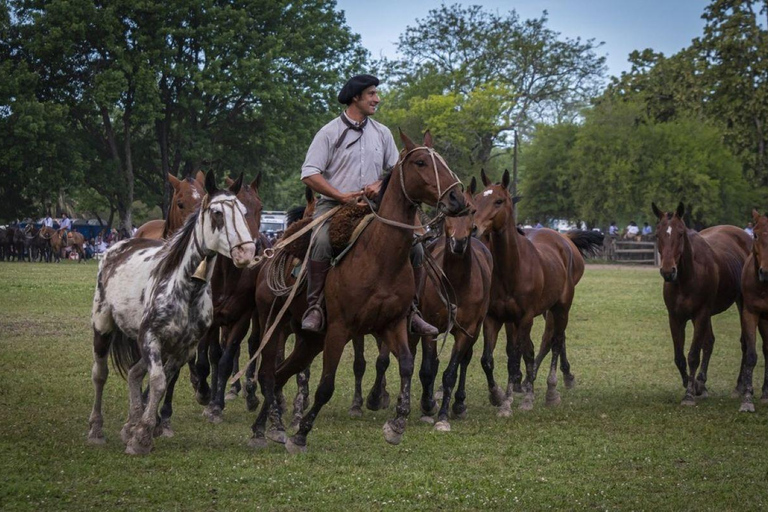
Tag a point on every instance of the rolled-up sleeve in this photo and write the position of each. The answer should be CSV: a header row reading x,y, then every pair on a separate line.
x,y
318,156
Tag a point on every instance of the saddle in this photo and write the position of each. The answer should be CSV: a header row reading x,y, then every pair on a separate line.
x,y
342,226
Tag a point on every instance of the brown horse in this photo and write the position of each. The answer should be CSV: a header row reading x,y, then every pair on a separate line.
x,y
187,194
73,239
377,278
533,274
702,277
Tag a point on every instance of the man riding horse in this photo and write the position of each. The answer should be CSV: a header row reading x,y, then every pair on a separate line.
x,y
346,160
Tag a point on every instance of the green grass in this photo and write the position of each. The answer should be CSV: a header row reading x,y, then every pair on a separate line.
x,y
620,440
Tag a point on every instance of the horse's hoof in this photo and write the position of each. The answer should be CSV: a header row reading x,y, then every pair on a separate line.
x,y
355,412
443,426
125,433
213,414
372,404
527,403
427,419
497,396
517,388
231,395
703,394
295,423
569,381
764,399
257,443
459,415
391,435
203,398
553,398
167,432
293,448
251,403
688,401
136,448
505,411
747,407
276,436
97,440
439,393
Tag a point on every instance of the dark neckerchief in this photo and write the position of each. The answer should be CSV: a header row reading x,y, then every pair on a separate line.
x,y
350,126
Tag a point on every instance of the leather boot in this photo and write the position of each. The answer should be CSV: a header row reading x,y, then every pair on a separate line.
x,y
416,324
314,318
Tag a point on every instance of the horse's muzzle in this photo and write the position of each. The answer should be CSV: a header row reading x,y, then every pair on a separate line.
x,y
669,275
762,275
243,254
453,204
458,245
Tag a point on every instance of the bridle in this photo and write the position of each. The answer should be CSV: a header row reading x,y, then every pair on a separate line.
x,y
202,248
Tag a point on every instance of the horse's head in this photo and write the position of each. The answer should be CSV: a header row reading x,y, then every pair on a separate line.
x,y
187,194
426,177
458,230
495,205
250,198
670,238
223,221
46,232
760,247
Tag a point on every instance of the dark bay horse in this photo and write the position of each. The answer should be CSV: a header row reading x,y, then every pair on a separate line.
x,y
702,277
533,274
150,308
187,194
377,278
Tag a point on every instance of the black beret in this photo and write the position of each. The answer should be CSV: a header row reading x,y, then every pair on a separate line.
x,y
355,86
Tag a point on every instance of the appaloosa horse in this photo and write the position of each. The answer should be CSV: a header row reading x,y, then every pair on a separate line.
x,y
702,278
369,291
153,303
533,274
187,194
754,286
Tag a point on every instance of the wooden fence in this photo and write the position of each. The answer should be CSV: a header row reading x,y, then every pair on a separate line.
x,y
631,251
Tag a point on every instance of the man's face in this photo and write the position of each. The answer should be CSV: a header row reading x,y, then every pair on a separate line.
x,y
367,101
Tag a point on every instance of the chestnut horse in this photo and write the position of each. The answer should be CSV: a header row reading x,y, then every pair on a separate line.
x,y
187,194
376,277
73,239
702,277
533,274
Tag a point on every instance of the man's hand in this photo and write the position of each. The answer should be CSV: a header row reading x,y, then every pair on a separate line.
x,y
372,191
349,198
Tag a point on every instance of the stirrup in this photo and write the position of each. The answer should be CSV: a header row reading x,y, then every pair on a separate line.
x,y
416,314
321,327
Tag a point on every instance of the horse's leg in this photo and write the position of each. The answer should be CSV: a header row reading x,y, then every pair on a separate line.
x,y
301,401
449,379
524,345
236,387
514,354
233,336
215,351
559,316
378,398
166,411
358,344
700,386
749,323
546,342
677,328
701,329
491,328
269,361
135,401
336,337
141,441
426,374
397,341
763,327
99,374
565,366
201,367
459,408
251,400
307,346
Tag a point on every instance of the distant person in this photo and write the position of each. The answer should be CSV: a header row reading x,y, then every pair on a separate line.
x,y
66,225
613,229
749,229
48,221
134,230
632,231
537,225
647,230
101,245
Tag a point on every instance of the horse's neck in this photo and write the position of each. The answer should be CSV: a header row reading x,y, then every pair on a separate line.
x,y
510,248
391,244
457,267
687,269
181,280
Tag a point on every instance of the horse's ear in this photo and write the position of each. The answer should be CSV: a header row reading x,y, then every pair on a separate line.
x,y
256,183
505,179
428,139
309,195
516,199
409,145
228,181
210,183
473,186
174,181
755,215
484,177
237,185
658,213
680,210
200,178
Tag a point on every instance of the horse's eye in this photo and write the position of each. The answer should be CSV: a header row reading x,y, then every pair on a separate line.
x,y
180,205
420,163
499,202
755,235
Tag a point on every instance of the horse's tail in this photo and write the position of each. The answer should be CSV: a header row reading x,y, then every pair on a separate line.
x,y
124,351
588,243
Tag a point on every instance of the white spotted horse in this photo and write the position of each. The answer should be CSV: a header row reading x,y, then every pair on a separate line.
x,y
153,303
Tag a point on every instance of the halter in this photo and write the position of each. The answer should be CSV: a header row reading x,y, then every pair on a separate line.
x,y
206,206
434,155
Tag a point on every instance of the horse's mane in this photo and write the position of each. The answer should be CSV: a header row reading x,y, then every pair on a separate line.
x,y
294,214
177,246
384,185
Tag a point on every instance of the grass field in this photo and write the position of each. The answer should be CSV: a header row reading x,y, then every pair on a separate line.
x,y
619,440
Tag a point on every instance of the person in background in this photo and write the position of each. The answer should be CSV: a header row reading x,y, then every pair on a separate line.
x,y
613,229
537,225
749,229
632,231
66,225
647,230
48,221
